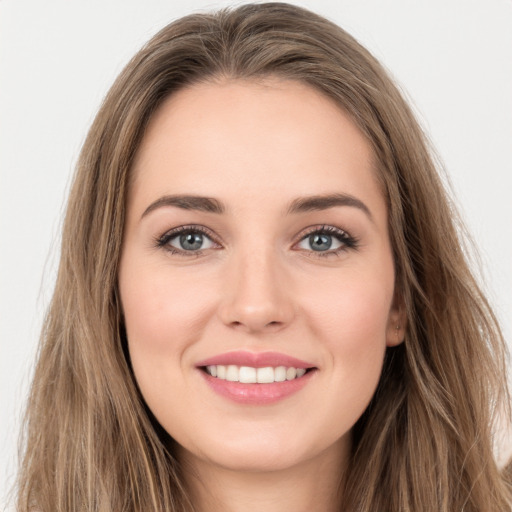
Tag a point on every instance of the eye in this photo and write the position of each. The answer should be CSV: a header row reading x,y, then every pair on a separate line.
x,y
327,239
185,239
191,242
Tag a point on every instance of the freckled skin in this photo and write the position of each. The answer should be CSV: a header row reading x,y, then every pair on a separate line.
x,y
256,148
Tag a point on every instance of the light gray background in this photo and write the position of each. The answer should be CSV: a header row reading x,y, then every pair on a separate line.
x,y
58,58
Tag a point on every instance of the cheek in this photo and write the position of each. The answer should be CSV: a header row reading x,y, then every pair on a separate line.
x,y
351,317
351,308
164,317
159,309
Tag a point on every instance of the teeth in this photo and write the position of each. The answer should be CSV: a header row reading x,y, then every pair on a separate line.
x,y
232,373
247,374
291,373
250,375
280,374
265,375
221,372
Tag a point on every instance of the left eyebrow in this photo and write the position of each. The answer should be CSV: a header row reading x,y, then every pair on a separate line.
x,y
323,202
185,202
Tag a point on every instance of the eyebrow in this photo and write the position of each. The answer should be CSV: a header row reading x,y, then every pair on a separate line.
x,y
299,205
323,202
198,203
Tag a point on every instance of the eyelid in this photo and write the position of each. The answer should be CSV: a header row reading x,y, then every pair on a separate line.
x,y
327,228
348,241
163,240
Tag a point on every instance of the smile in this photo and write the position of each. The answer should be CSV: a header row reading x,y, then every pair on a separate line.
x,y
251,375
256,378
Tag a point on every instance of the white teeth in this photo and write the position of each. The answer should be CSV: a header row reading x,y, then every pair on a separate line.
x,y
280,374
291,373
232,373
247,374
250,375
265,375
221,371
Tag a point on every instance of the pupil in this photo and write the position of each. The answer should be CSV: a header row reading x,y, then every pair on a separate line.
x,y
191,241
320,242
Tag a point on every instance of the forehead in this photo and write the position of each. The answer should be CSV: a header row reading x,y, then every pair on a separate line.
x,y
236,139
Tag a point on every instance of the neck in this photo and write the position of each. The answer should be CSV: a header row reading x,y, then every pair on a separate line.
x,y
314,484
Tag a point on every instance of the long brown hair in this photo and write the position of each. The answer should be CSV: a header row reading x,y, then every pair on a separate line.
x,y
425,441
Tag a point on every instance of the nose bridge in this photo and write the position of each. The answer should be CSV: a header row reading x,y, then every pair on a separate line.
x,y
256,295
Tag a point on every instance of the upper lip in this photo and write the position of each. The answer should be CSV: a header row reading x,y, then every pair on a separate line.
x,y
255,360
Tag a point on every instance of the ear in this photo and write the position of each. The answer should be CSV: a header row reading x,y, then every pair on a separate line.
x,y
397,322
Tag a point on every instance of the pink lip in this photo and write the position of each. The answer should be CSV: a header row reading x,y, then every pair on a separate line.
x,y
256,360
255,394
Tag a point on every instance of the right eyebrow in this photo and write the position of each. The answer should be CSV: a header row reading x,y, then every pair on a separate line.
x,y
324,202
198,203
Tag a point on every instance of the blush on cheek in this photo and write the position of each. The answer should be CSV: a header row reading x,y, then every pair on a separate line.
x,y
354,327
358,315
155,313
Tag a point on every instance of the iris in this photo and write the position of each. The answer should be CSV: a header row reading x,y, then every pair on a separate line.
x,y
320,241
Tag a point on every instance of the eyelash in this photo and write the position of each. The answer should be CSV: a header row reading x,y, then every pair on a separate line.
x,y
348,242
162,242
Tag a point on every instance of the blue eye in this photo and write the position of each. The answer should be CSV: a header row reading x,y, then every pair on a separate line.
x,y
327,239
189,241
186,240
320,241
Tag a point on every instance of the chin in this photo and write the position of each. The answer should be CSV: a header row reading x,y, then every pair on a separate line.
x,y
260,453
255,460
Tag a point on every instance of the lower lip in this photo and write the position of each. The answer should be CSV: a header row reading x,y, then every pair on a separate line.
x,y
256,394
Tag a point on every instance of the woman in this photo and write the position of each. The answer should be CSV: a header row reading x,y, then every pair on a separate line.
x,y
263,300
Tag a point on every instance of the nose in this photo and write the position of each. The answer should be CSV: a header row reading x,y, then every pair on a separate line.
x,y
256,296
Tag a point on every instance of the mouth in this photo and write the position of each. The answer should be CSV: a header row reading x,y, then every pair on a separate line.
x,y
253,375
256,378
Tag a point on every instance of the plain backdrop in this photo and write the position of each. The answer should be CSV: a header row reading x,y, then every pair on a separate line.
x,y
452,58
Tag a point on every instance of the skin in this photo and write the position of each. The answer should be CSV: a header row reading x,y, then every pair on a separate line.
x,y
258,286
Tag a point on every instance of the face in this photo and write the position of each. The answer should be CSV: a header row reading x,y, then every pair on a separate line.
x,y
256,278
